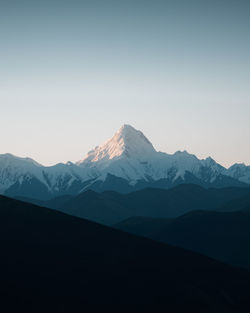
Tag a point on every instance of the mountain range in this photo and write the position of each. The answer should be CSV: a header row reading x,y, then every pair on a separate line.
x,y
109,207
126,162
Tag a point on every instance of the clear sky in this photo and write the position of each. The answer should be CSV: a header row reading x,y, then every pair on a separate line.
x,y
72,72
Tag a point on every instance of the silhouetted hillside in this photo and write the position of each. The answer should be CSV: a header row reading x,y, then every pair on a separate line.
x,y
53,262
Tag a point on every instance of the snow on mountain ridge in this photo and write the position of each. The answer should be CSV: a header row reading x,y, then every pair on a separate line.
x,y
18,170
240,171
13,169
127,141
13,158
130,155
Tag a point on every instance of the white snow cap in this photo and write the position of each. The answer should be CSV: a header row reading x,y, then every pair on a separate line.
x,y
127,142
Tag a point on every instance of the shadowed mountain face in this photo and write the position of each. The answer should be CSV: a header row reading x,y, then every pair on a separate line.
x,y
110,207
53,262
222,235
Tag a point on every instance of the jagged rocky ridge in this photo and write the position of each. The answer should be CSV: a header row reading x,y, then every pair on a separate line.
x,y
126,162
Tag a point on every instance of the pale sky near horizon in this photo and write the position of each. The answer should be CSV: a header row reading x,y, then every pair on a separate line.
x,y
72,72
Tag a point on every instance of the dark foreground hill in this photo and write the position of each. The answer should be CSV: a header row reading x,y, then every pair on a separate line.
x,y
51,262
222,235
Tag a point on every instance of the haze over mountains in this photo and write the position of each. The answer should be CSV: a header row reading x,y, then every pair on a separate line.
x,y
126,162
110,207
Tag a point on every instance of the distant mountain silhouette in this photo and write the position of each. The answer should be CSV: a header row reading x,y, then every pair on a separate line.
x,y
144,226
52,262
110,207
237,204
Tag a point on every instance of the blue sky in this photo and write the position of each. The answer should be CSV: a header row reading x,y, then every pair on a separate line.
x,y
72,72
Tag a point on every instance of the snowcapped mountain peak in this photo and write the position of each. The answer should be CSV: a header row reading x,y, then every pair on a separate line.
x,y
240,171
238,165
13,169
132,139
128,132
126,128
209,161
12,159
127,142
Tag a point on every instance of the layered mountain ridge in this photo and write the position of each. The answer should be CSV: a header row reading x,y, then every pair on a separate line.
x,y
126,162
